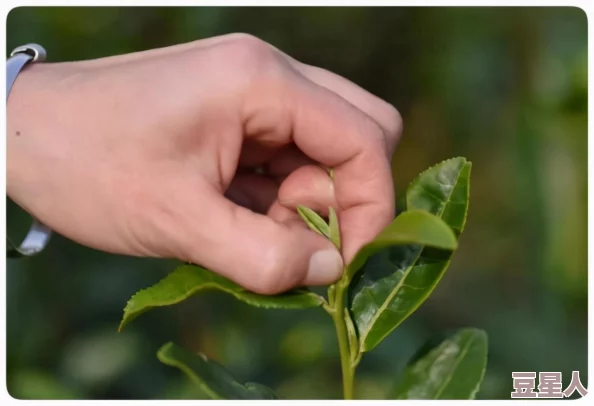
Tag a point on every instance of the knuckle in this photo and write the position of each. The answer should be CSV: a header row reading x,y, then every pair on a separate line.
x,y
393,125
250,53
244,37
249,41
394,120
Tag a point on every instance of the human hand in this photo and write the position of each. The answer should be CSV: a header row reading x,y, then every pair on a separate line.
x,y
152,154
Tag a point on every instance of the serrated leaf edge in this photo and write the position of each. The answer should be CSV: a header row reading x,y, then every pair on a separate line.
x,y
463,159
192,291
392,294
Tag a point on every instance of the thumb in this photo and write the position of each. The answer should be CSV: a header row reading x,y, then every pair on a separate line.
x,y
261,254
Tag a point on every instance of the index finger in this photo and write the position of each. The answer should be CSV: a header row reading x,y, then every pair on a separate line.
x,y
333,132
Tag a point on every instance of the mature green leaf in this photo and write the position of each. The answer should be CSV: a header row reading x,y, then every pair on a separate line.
x,y
314,221
452,370
396,281
411,227
443,190
187,280
333,225
213,379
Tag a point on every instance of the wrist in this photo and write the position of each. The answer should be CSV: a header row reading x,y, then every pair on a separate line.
x,y
21,58
27,110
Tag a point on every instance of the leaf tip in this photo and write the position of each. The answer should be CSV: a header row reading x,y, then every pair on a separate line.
x,y
163,350
124,322
129,312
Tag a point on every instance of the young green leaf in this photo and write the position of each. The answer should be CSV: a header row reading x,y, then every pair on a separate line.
x,y
333,226
411,227
213,379
452,370
314,221
395,282
187,280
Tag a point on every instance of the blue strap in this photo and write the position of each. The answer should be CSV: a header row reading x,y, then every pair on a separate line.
x,y
39,234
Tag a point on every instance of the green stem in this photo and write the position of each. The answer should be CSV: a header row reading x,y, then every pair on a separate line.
x,y
345,330
345,340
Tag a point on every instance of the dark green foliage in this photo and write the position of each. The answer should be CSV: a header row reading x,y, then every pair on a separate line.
x,y
406,261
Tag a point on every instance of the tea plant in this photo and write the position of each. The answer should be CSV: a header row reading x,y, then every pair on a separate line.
x,y
387,280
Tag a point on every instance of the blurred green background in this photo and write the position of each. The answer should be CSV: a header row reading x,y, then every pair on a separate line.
x,y
505,87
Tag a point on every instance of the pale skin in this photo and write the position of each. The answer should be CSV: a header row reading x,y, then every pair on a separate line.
x,y
152,154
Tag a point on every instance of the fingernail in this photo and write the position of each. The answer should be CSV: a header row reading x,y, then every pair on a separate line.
x,y
325,267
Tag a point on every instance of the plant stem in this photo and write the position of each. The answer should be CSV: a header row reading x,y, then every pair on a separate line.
x,y
344,338
348,343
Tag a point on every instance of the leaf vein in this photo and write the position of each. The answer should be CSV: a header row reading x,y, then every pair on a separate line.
x,y
447,381
392,294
